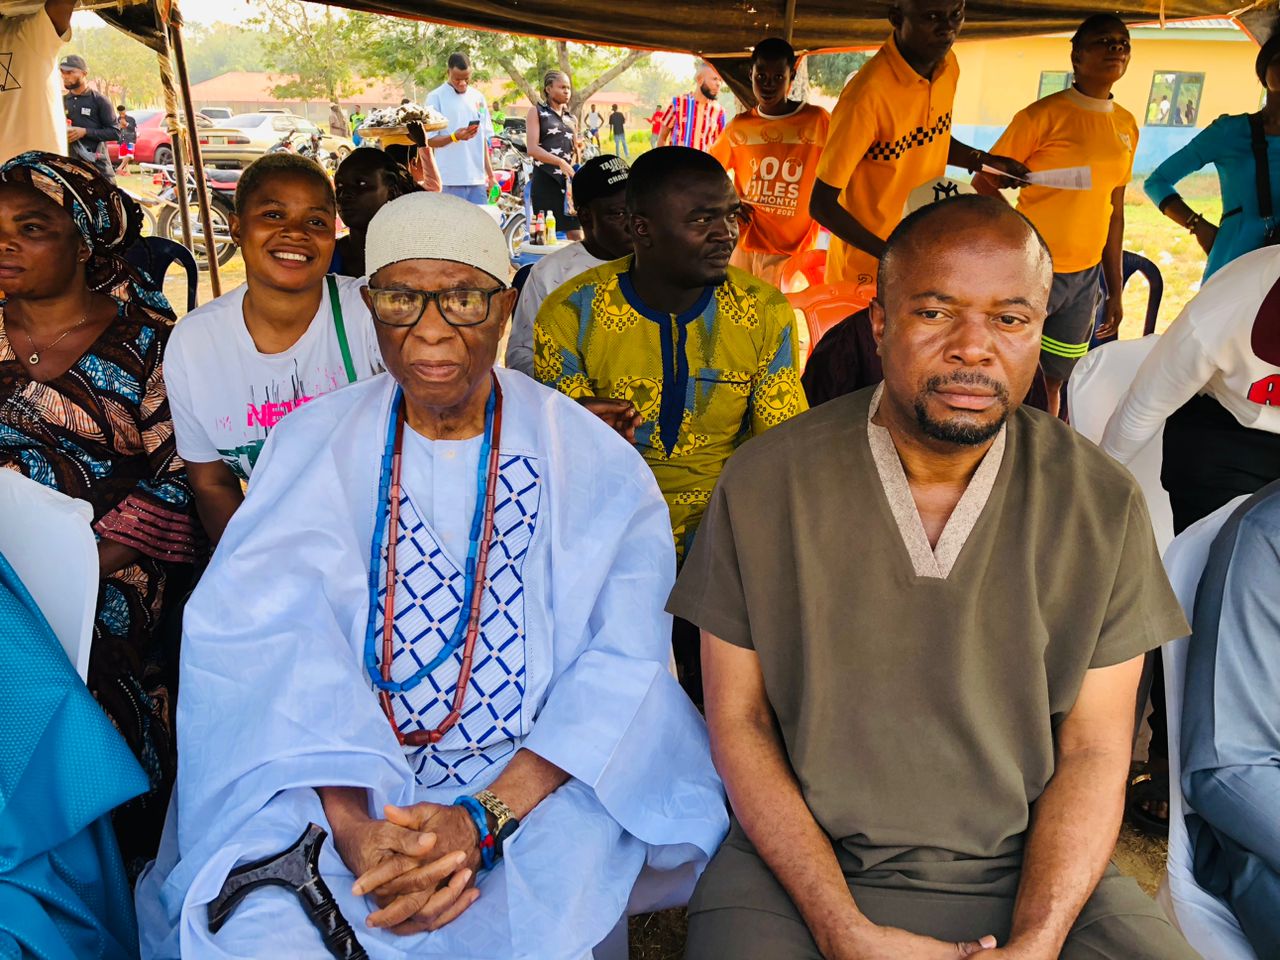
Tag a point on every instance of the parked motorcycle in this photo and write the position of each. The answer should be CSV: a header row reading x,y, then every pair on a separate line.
x,y
221,185
311,149
513,168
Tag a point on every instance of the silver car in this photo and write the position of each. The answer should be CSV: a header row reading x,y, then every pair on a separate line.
x,y
264,131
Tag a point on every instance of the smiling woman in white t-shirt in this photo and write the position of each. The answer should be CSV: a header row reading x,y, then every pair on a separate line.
x,y
239,364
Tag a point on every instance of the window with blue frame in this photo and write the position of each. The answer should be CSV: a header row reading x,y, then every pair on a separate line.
x,y
1175,99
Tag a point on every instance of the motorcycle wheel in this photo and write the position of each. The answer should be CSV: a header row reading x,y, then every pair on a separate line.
x,y
170,225
513,231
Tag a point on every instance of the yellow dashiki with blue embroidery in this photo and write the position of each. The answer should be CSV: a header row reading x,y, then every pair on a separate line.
x,y
704,381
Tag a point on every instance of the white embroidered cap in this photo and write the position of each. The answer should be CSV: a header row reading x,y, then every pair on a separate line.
x,y
436,226
939,188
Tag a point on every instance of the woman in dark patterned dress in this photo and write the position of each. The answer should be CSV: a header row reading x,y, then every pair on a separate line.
x,y
83,410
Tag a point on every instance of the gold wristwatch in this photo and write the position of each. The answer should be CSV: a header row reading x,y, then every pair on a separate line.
x,y
505,822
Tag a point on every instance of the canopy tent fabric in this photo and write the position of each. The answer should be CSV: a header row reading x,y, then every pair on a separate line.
x,y
729,28
725,28
723,31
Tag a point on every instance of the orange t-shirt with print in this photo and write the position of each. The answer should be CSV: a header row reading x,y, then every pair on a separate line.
x,y
774,162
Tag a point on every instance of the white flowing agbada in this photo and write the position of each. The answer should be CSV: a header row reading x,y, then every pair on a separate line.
x,y
571,663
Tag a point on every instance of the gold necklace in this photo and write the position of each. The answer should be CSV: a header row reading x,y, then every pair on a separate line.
x,y
35,353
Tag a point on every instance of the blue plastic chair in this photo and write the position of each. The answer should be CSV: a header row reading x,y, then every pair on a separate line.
x,y
152,256
1135,263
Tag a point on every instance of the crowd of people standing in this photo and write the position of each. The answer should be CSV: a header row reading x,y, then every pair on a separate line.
x,y
513,633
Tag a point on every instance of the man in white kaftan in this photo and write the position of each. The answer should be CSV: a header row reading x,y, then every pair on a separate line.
x,y
570,664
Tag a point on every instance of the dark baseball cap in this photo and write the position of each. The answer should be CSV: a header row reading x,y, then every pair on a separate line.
x,y
599,177
73,62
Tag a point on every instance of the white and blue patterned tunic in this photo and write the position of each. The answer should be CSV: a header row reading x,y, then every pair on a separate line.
x,y
435,519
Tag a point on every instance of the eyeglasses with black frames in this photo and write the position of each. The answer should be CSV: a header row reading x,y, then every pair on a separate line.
x,y
404,307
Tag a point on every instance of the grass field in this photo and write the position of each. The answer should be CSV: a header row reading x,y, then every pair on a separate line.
x,y
660,936
1171,248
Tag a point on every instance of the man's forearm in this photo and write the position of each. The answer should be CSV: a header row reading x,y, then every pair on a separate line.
x,y
767,801
526,781
962,155
1073,834
825,207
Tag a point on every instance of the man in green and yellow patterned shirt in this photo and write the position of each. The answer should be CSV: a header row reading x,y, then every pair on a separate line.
x,y
693,357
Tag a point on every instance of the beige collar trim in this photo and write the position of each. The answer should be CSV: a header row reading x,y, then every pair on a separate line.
x,y
928,561
1090,103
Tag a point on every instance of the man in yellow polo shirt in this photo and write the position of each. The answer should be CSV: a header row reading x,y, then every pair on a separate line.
x,y
1080,126
890,132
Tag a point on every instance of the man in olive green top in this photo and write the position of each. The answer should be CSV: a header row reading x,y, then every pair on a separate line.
x,y
925,738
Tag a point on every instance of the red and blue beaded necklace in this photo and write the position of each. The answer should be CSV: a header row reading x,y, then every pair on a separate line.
x,y
385,530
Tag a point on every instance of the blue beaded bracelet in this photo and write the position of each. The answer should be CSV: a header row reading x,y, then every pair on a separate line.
x,y
480,817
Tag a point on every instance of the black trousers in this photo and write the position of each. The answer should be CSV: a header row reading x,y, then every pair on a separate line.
x,y
1209,460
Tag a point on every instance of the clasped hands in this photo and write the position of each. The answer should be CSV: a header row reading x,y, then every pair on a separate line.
x,y
419,865
870,942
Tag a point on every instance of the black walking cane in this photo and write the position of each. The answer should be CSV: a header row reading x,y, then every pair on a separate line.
x,y
298,869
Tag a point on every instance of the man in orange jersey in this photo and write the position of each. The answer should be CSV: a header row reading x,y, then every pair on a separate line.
x,y
772,154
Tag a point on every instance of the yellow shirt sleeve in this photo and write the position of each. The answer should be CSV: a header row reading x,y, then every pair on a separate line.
x,y
852,131
1020,139
776,392
557,355
1133,132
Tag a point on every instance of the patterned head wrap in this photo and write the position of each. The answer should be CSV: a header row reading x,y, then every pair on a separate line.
x,y
109,220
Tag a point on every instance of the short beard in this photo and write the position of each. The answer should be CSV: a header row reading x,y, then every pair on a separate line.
x,y
961,434
706,92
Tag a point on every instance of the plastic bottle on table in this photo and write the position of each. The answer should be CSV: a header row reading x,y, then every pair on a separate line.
x,y
551,229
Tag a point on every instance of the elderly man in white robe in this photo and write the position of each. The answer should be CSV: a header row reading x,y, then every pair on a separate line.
x,y
435,629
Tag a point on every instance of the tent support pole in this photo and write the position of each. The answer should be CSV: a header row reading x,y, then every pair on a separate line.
x,y
197,162
171,124
789,21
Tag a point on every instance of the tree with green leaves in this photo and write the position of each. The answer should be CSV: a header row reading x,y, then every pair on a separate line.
x,y
317,48
831,71
415,54
218,48
120,67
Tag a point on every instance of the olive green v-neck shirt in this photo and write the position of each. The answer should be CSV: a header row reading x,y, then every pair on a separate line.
x,y
918,702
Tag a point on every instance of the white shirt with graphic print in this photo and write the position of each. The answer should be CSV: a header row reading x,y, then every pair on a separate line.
x,y
225,396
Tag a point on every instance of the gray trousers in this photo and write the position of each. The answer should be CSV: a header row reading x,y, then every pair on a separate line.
x,y
740,910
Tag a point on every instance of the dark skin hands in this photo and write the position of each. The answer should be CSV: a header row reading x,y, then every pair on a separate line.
x,y
621,415
376,849
427,896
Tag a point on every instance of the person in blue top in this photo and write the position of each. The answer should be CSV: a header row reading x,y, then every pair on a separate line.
x,y
64,768
1227,144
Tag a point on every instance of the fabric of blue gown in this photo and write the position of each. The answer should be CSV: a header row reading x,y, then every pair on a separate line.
x,y
63,768
571,664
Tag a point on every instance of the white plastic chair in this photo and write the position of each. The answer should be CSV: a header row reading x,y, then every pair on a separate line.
x,y
1207,923
47,539
1097,385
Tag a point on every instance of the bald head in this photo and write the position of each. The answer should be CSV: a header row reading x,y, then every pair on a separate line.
x,y
958,316
968,222
708,81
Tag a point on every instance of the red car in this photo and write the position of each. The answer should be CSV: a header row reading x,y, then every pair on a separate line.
x,y
154,145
